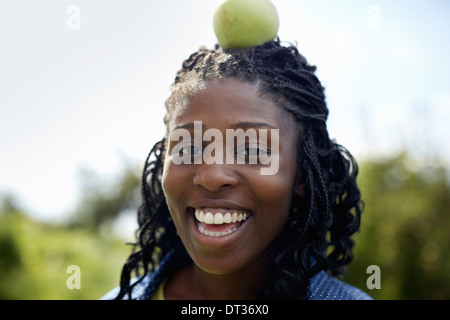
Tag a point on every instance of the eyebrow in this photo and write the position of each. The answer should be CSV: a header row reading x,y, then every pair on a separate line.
x,y
241,125
252,124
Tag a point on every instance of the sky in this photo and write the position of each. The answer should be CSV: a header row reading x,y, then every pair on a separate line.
x,y
83,82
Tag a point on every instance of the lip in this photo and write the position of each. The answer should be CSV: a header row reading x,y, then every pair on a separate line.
x,y
219,204
222,241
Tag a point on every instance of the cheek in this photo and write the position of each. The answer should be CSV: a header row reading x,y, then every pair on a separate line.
x,y
172,186
167,182
174,182
276,197
280,185
275,194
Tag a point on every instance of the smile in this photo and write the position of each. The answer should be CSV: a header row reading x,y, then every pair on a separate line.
x,y
219,222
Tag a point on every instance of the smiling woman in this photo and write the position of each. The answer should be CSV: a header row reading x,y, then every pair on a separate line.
x,y
224,230
229,188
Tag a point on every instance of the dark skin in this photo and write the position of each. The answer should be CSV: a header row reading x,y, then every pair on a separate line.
x,y
233,266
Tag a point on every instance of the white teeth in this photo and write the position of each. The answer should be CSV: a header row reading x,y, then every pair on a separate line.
x,y
215,234
209,218
227,218
219,217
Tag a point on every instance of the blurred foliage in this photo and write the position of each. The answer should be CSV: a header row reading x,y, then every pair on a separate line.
x,y
102,201
35,257
404,231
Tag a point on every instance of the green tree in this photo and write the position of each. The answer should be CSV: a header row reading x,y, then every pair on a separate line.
x,y
405,229
102,201
35,256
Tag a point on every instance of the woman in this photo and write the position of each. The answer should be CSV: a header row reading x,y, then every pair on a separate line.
x,y
213,223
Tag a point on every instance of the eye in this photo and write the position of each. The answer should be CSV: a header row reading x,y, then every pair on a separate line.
x,y
252,153
190,149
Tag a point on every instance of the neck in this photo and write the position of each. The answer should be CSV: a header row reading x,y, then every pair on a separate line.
x,y
193,283
242,285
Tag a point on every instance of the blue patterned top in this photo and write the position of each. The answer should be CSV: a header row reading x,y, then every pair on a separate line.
x,y
321,287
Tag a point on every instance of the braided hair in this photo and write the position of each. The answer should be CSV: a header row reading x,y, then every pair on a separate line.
x,y
317,235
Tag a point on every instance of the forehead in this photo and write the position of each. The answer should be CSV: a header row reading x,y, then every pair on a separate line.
x,y
222,103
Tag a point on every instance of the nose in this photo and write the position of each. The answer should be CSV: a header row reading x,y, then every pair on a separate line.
x,y
215,177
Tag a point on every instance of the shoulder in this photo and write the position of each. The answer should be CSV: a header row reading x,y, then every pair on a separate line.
x,y
325,287
147,285
321,287
139,291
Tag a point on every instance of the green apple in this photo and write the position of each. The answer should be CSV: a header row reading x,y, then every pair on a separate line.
x,y
245,23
